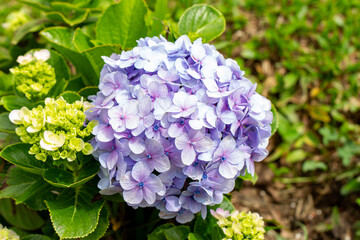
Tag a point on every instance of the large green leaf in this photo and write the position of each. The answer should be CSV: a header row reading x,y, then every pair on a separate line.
x,y
161,8
177,233
29,27
82,41
88,91
20,216
36,237
102,226
18,154
62,70
61,39
65,179
203,21
5,124
129,16
28,188
13,102
68,13
73,213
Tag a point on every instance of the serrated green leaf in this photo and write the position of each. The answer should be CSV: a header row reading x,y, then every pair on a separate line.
x,y
18,154
61,39
177,233
70,97
5,124
13,102
202,21
20,216
73,213
65,179
102,226
158,233
67,13
28,188
57,61
129,16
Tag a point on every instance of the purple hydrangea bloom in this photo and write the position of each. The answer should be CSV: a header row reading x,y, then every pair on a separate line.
x,y
177,124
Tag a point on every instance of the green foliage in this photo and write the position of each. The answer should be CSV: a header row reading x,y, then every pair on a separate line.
x,y
129,16
202,21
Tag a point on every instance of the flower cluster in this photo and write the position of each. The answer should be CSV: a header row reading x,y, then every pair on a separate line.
x,y
15,20
240,225
34,77
177,124
55,130
7,234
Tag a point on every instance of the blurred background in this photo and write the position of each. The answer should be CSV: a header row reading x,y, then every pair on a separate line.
x,y
304,55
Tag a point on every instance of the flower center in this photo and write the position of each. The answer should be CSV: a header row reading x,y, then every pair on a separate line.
x,y
223,158
167,153
195,163
197,192
156,127
140,184
182,122
148,156
205,176
122,117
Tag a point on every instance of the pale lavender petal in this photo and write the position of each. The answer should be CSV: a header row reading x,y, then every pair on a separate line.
x,y
228,170
140,172
133,196
188,155
137,145
127,183
182,141
203,144
172,204
149,195
228,117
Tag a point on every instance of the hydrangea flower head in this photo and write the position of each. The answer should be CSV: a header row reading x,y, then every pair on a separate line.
x,y
7,234
55,130
189,120
34,77
240,225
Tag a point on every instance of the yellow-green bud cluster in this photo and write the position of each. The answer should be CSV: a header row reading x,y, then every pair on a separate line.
x,y
240,225
34,77
55,130
7,234
15,20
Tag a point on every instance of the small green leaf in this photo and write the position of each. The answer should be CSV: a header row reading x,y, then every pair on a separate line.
x,y
102,226
70,97
313,165
275,121
36,237
249,177
296,156
13,102
129,16
177,233
65,179
5,124
194,236
202,21
158,233
20,216
73,213
18,154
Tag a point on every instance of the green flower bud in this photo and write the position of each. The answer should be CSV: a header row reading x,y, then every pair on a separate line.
x,y
76,144
15,20
64,154
7,234
88,149
241,225
34,79
71,156
41,156
34,150
56,155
